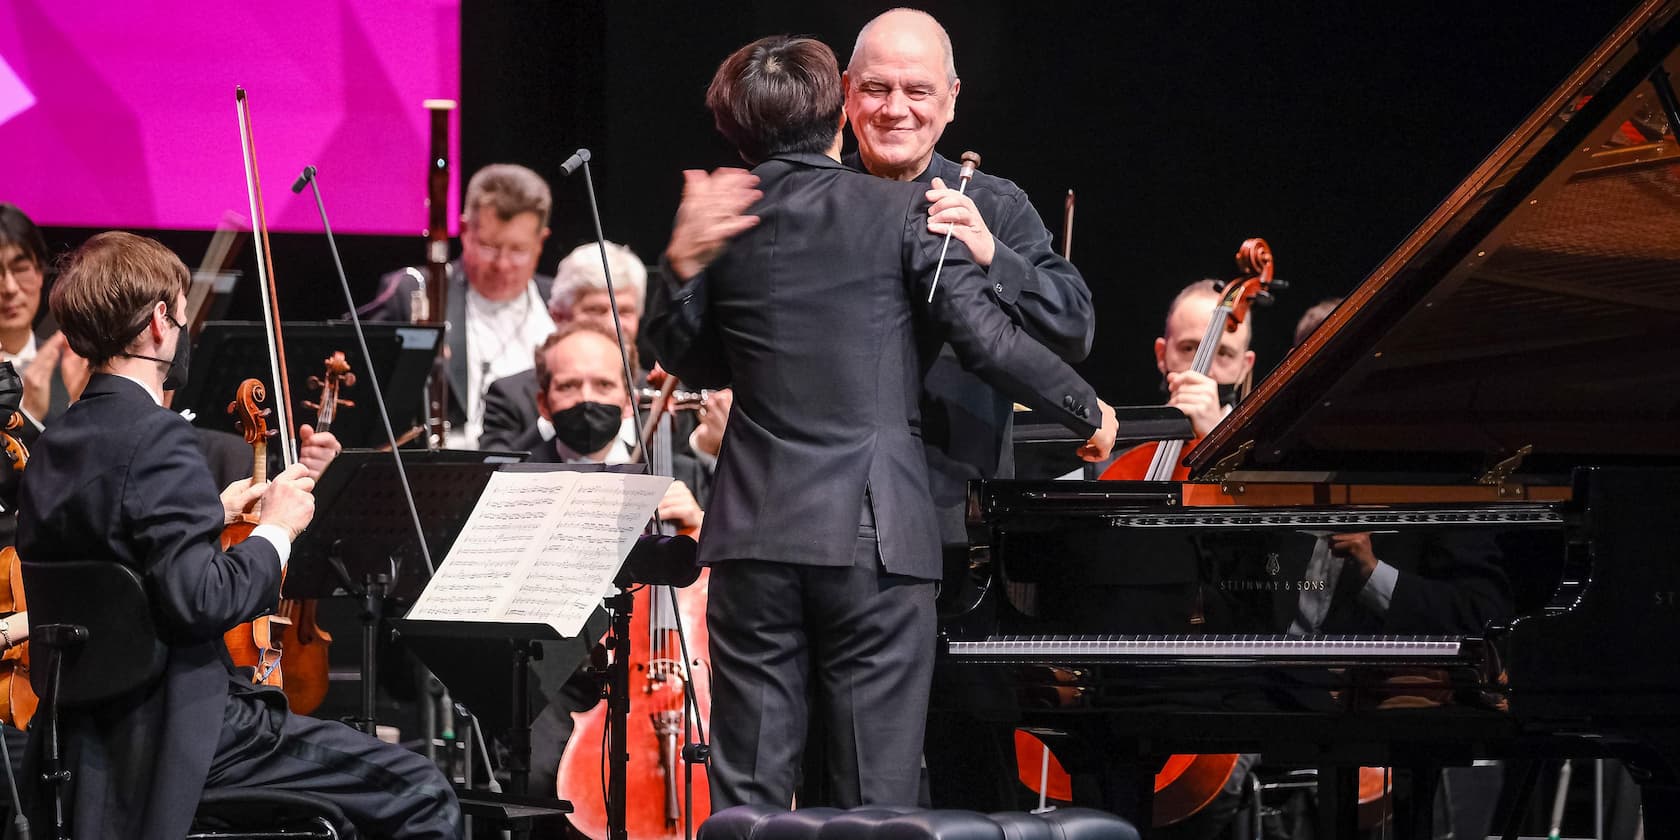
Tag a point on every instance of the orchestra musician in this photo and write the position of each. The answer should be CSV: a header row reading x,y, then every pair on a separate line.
x,y
121,479
582,395
497,301
901,89
29,338
578,294
822,537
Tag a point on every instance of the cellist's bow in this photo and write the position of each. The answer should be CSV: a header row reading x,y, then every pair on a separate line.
x,y
970,162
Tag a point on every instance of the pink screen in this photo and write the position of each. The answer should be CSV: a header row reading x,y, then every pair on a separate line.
x,y
120,113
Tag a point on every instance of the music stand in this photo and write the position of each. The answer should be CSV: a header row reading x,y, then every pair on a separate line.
x,y
362,540
229,352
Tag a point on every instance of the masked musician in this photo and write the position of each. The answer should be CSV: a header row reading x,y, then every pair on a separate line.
x,y
119,478
578,294
497,301
821,535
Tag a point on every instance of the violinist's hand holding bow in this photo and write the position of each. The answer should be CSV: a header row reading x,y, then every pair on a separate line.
x,y
713,211
957,211
289,500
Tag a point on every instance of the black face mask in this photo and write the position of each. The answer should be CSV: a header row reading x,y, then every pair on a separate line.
x,y
588,427
176,378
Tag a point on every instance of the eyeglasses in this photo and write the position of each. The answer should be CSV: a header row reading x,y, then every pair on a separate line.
x,y
24,271
518,256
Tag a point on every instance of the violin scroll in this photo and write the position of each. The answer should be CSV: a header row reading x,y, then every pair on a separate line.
x,y
252,421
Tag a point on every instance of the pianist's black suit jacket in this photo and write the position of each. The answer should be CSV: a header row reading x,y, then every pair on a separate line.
x,y
120,478
818,317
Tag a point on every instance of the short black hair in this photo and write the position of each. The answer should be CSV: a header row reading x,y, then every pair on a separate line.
x,y
17,229
778,95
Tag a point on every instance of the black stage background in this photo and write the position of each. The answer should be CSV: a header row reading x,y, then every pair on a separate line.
x,y
1328,128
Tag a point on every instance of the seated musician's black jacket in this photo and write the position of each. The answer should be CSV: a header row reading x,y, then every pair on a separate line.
x,y
120,478
818,316
1450,582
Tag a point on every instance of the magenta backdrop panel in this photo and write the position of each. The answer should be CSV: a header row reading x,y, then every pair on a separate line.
x,y
120,113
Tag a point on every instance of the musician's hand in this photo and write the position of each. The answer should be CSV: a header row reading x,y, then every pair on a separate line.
x,y
1101,443
713,211
1358,547
52,356
17,628
714,418
289,500
316,450
957,211
240,497
679,508
1198,397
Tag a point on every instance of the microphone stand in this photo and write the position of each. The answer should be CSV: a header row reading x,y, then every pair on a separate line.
x,y
618,675
374,590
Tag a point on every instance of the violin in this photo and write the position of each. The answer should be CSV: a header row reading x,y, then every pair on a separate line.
x,y
17,697
655,808
256,644
303,653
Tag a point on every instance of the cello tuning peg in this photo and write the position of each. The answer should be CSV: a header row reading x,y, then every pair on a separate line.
x,y
1279,285
349,380
308,404
315,382
1219,285
1264,299
346,403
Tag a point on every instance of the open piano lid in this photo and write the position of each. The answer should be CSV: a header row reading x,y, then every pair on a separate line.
x,y
1539,305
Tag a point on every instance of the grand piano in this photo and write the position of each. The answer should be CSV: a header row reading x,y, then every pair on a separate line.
x,y
1503,392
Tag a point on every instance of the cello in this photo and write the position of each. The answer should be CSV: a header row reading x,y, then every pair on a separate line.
x,y
660,715
303,653
1184,784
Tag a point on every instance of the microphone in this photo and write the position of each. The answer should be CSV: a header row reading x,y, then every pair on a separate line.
x,y
970,162
578,158
303,179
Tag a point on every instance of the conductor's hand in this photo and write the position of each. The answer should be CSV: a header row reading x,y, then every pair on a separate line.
x,y
679,508
713,211
954,211
1101,443
1198,397
289,500
316,450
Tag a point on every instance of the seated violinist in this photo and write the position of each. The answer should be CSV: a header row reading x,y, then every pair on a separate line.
x,y
120,479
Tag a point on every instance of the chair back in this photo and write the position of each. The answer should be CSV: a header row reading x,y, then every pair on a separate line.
x,y
121,651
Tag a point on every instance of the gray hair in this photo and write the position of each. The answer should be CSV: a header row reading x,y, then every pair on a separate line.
x,y
580,273
944,40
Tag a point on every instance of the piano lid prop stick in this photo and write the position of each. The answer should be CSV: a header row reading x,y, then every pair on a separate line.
x,y
971,161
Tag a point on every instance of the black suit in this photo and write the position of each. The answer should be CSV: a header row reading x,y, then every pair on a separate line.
x,y
510,412
1450,582
821,529
394,303
122,479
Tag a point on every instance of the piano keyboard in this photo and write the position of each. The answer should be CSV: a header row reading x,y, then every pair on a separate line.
x,y
1211,649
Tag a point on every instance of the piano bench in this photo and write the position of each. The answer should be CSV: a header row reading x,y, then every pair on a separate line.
x,y
758,822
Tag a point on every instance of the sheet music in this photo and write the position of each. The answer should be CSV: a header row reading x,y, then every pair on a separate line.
x,y
541,547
